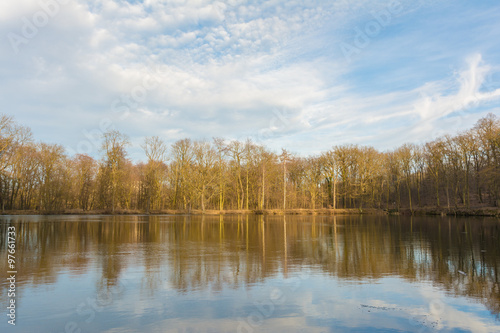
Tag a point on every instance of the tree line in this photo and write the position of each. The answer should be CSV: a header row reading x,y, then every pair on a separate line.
x,y
457,171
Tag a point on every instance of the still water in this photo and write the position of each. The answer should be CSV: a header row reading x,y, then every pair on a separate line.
x,y
252,274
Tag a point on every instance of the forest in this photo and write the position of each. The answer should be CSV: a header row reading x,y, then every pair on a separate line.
x,y
453,171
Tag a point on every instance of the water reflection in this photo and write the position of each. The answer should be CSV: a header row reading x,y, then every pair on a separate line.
x,y
217,267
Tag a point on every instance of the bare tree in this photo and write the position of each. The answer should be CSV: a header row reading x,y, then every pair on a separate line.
x,y
464,169
405,156
204,179
113,167
156,153
222,150
330,170
237,152
85,172
182,155
284,158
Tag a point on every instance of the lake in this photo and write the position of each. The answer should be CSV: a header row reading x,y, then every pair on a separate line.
x,y
236,273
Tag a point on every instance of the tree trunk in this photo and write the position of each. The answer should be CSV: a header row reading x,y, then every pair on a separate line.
x,y
203,199
263,186
419,181
447,193
284,185
437,192
467,194
334,194
409,196
247,191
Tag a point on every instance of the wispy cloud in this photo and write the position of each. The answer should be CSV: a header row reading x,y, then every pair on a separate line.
x,y
230,67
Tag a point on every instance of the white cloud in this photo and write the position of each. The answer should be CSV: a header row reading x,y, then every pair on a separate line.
x,y
231,65
418,114
437,104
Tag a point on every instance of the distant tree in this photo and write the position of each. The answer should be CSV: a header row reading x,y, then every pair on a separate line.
x,y
434,154
463,168
330,171
53,177
113,169
487,130
284,158
237,152
203,177
313,178
182,157
85,170
156,153
405,156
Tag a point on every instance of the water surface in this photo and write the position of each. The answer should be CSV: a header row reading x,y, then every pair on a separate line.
x,y
253,274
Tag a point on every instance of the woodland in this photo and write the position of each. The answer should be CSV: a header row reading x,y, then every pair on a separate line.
x,y
453,171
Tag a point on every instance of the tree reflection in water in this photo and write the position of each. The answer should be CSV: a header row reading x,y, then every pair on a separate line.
x,y
458,255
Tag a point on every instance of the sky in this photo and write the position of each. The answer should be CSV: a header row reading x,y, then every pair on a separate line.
x,y
301,75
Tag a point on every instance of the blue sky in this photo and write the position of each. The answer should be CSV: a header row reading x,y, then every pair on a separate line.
x,y
302,75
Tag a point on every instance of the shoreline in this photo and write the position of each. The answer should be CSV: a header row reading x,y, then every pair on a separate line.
x,y
421,211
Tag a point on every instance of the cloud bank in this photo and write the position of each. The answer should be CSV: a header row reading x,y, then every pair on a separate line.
x,y
274,71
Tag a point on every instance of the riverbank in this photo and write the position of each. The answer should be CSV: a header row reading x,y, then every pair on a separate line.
x,y
322,211
483,211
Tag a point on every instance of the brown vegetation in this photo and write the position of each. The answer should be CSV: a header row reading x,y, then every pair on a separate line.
x,y
450,174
